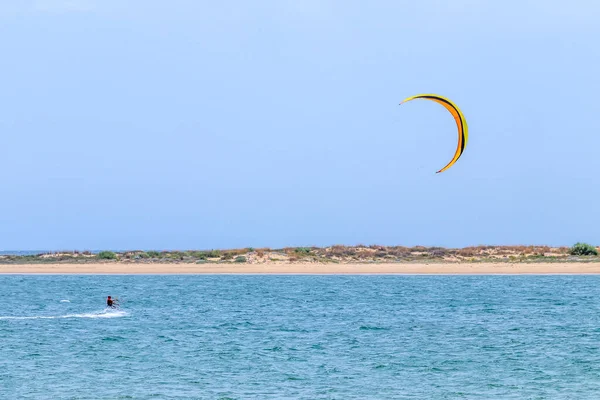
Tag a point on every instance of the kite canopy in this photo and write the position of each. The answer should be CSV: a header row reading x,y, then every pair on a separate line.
x,y
461,123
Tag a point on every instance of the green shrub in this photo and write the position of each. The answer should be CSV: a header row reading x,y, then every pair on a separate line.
x,y
302,250
583,249
175,255
107,255
212,254
153,254
240,259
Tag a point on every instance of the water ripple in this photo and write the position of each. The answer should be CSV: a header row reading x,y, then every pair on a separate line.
x,y
301,337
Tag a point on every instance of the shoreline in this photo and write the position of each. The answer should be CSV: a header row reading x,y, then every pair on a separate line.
x,y
591,268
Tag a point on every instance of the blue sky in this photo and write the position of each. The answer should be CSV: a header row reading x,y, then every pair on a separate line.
x,y
197,124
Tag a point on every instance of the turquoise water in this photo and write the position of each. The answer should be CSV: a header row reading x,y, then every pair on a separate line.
x,y
300,337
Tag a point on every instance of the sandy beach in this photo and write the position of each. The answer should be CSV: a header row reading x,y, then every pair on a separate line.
x,y
306,268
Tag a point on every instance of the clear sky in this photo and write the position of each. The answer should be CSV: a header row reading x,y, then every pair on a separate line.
x,y
215,124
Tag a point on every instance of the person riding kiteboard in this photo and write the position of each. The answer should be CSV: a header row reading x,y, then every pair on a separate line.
x,y
111,303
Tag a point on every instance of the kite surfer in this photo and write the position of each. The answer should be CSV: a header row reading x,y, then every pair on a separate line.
x,y
112,303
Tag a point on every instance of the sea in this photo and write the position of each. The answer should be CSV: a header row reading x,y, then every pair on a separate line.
x,y
300,337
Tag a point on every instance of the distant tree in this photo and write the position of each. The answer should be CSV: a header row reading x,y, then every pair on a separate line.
x,y
583,249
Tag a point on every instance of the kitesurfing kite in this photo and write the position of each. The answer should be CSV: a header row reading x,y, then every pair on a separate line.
x,y
461,123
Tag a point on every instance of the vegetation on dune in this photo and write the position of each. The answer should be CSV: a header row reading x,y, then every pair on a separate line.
x,y
107,255
580,252
302,250
583,249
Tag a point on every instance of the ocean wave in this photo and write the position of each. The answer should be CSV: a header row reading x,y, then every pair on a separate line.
x,y
101,314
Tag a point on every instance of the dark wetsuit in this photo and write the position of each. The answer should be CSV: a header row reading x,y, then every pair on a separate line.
x,y
109,302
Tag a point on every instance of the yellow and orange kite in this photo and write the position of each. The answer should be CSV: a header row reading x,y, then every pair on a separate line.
x,y
461,123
